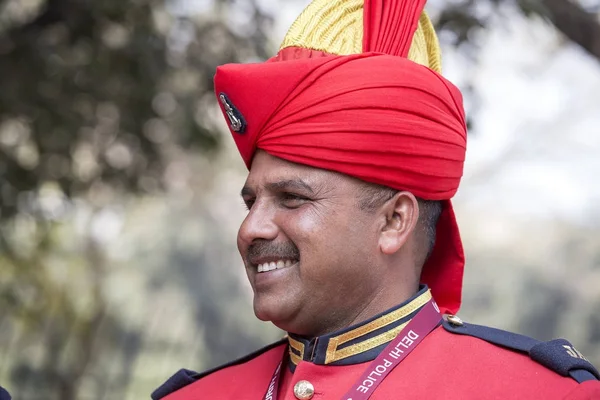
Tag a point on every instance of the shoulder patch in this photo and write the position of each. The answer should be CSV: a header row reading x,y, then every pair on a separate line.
x,y
185,377
558,355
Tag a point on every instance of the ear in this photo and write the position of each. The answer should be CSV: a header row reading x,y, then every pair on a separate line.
x,y
401,214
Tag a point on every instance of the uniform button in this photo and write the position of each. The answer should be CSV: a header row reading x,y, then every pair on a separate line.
x,y
454,320
304,390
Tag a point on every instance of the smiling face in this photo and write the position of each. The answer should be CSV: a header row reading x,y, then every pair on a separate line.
x,y
311,254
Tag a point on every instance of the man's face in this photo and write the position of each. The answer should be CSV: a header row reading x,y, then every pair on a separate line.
x,y
311,254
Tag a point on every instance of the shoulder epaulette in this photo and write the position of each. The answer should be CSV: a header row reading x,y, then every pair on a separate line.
x,y
558,355
185,377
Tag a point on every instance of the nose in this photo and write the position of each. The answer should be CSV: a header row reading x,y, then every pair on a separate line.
x,y
258,224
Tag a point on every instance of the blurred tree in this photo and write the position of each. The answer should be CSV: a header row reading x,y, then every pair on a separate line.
x,y
97,95
578,21
460,21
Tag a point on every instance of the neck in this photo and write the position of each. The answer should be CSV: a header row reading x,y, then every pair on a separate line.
x,y
377,304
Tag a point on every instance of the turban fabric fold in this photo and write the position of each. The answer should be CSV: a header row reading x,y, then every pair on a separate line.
x,y
375,115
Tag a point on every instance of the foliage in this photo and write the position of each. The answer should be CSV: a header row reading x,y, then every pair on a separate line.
x,y
98,96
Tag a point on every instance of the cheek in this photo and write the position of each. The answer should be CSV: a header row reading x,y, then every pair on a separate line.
x,y
321,239
303,225
341,228
308,224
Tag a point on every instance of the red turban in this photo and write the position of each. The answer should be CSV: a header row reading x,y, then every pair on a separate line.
x,y
376,116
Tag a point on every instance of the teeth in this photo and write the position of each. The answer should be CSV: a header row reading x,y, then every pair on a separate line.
x,y
270,266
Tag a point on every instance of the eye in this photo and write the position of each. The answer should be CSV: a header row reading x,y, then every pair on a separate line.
x,y
248,202
292,200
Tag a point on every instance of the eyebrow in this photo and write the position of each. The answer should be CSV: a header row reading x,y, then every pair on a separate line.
x,y
287,184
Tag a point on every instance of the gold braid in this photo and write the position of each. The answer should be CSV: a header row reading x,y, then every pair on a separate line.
x,y
336,27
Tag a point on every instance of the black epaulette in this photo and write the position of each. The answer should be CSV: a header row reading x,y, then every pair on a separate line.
x,y
185,377
558,355
4,395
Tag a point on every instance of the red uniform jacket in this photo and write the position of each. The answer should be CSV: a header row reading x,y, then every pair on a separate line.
x,y
455,361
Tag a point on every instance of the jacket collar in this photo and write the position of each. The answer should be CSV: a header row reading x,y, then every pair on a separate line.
x,y
359,343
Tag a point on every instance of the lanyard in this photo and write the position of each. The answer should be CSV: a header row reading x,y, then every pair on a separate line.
x,y
413,333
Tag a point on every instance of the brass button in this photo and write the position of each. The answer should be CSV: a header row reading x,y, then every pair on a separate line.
x,y
454,320
304,390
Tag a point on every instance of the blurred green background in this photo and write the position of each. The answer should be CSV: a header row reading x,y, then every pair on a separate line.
x,y
119,185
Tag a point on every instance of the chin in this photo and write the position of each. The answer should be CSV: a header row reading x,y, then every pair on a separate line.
x,y
272,311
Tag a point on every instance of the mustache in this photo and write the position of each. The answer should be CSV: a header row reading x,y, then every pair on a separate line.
x,y
264,248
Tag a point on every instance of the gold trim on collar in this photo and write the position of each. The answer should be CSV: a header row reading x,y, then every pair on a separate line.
x,y
299,347
333,354
294,358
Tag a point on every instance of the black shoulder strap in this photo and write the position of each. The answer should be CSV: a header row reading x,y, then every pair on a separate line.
x,y
558,355
185,377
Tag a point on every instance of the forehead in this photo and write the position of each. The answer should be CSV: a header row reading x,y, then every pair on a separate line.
x,y
266,169
267,166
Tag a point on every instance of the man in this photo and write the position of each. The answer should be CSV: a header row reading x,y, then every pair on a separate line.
x,y
355,144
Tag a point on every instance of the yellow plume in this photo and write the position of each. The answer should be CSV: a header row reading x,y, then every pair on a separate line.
x,y
336,27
